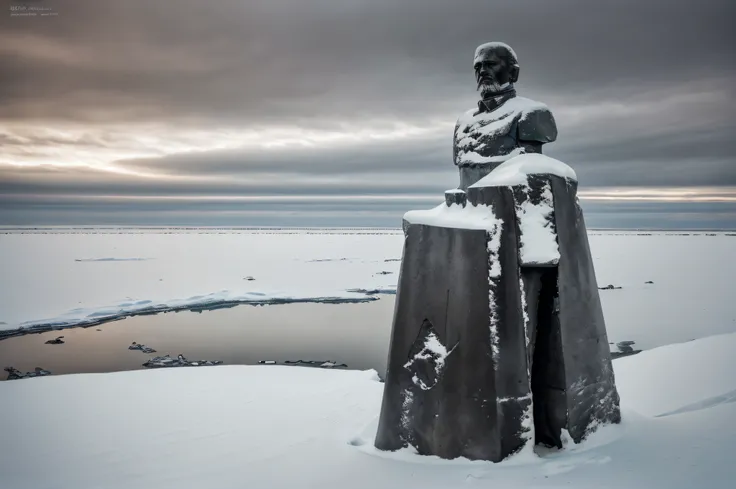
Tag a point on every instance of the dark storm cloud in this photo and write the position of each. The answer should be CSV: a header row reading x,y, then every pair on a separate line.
x,y
643,92
270,61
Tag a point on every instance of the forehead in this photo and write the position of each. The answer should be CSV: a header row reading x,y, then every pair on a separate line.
x,y
487,54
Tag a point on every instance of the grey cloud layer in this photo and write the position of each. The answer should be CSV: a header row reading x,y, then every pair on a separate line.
x,y
267,61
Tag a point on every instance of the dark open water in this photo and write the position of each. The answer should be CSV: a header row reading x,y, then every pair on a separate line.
x,y
354,334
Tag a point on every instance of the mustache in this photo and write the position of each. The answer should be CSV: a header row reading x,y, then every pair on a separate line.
x,y
488,84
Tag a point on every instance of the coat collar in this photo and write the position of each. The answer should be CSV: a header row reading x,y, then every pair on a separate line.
x,y
492,103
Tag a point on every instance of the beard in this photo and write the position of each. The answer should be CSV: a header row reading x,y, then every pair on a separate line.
x,y
488,87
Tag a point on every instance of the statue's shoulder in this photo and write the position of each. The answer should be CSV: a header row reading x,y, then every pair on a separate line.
x,y
466,118
536,122
463,124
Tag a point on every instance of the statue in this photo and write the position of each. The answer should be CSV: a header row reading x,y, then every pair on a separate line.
x,y
498,339
504,125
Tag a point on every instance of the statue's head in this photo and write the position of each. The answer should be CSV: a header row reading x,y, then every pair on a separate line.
x,y
496,67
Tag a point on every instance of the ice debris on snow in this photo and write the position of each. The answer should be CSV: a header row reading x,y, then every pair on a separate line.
x,y
56,341
180,361
143,348
329,364
315,363
14,374
375,291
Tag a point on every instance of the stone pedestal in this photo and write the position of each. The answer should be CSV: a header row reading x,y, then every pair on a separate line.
x,y
498,335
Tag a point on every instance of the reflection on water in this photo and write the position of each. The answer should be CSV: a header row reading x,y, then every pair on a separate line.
x,y
354,334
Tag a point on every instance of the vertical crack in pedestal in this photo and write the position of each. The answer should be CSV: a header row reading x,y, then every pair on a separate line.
x,y
525,313
527,423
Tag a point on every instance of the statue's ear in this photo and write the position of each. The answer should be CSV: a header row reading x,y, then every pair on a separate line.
x,y
514,73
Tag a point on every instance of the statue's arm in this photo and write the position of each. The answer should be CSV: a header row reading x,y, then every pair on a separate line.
x,y
536,128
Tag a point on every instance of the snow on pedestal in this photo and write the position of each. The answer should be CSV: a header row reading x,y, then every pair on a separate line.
x,y
505,277
534,206
516,171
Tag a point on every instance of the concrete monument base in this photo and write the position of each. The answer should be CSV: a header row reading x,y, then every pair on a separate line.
x,y
498,335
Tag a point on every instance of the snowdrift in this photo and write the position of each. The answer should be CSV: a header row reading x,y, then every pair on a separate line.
x,y
287,427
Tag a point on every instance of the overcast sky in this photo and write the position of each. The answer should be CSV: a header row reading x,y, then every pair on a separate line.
x,y
335,112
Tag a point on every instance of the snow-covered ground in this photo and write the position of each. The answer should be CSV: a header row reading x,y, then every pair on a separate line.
x,y
67,277
289,427
286,427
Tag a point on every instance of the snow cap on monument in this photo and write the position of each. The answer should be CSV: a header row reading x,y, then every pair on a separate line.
x,y
516,171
